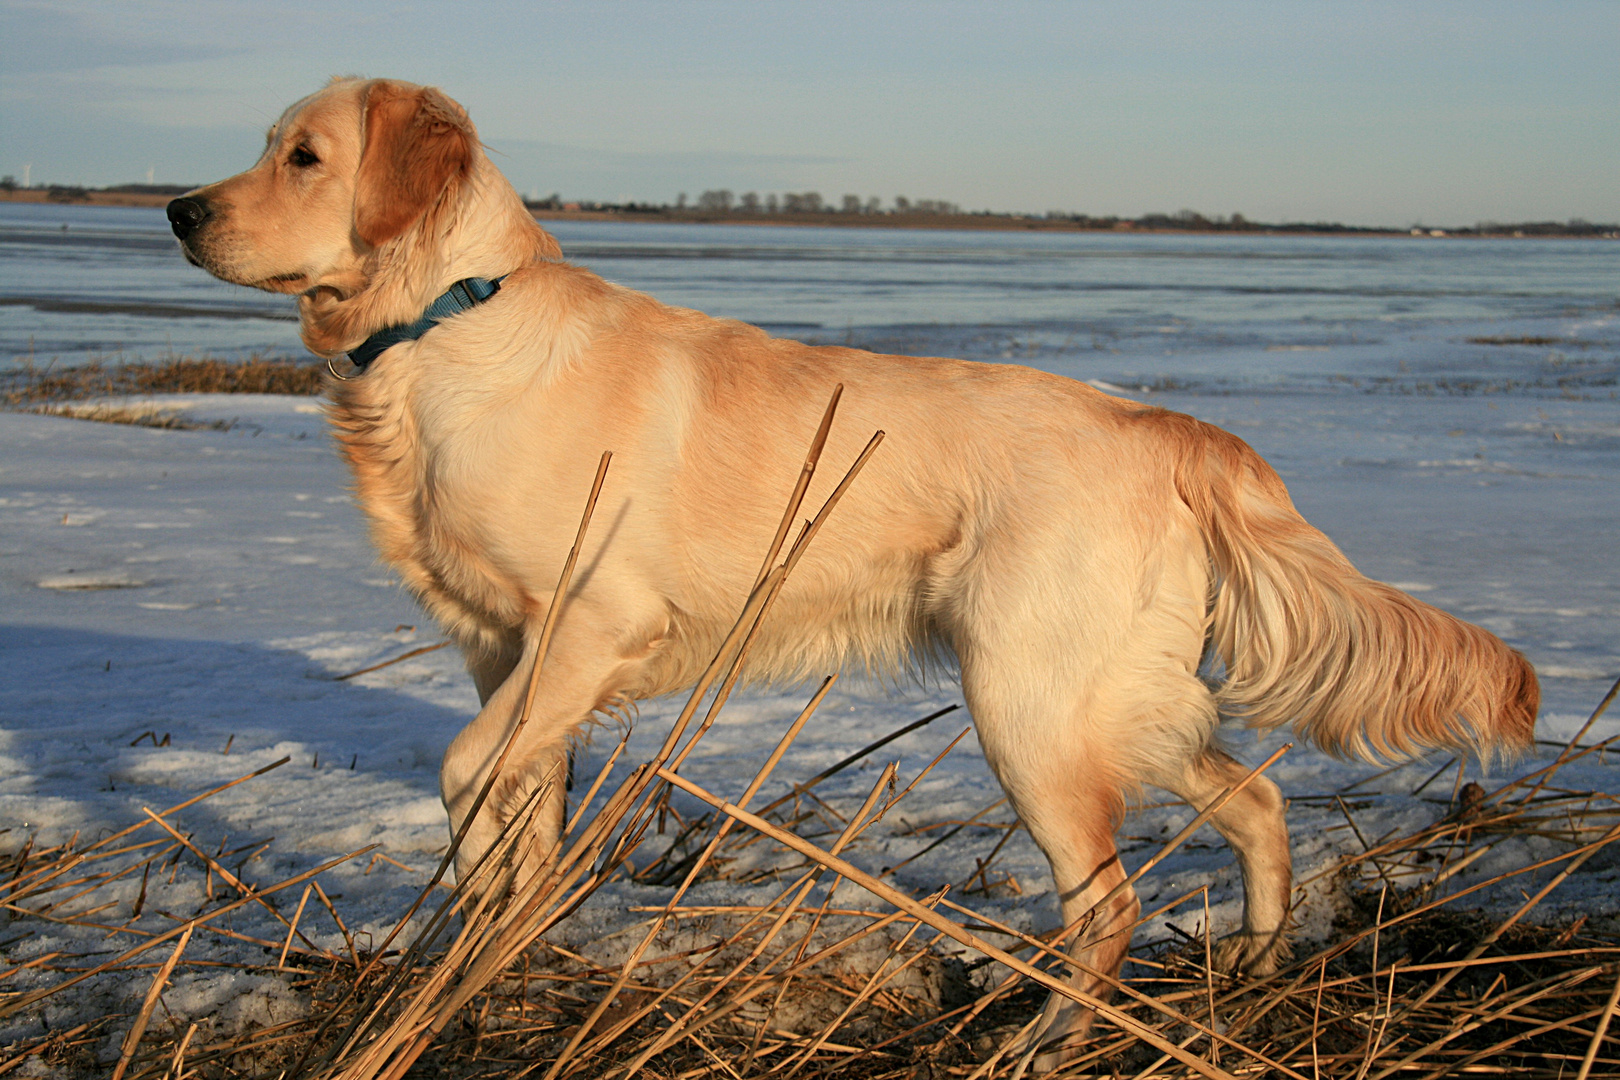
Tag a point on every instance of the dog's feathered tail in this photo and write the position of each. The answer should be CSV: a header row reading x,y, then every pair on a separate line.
x,y
1357,667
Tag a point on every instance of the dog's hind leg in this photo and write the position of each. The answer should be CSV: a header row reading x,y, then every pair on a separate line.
x,y
1061,784
1076,831
1252,823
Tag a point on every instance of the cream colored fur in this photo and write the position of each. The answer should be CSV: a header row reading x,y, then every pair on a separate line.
x,y
1073,551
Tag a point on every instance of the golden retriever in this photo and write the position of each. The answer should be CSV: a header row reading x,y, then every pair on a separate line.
x,y
1078,554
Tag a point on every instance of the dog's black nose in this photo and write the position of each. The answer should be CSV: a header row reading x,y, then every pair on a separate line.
x,y
185,215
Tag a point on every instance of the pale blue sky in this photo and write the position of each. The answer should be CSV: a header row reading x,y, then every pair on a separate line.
x,y
1368,113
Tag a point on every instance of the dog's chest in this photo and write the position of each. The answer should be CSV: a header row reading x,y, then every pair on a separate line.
x,y
435,513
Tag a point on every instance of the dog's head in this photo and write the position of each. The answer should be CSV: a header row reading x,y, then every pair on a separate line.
x,y
344,172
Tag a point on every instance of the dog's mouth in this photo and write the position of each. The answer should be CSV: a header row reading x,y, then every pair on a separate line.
x,y
283,283
276,283
207,257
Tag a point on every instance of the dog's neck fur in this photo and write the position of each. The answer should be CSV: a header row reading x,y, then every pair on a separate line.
x,y
339,314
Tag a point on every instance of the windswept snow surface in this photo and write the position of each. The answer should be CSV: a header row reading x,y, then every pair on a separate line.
x,y
209,585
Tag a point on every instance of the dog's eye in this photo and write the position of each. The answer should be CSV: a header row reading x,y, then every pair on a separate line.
x,y
302,158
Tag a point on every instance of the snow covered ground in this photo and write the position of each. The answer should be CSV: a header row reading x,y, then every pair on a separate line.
x,y
209,586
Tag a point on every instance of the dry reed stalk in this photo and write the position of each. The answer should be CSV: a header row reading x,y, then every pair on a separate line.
x,y
1491,938
43,958
1511,820
96,881
593,844
348,938
1318,969
786,980
1452,1068
138,1028
1603,1021
489,884
292,928
1465,1026
806,473
700,910
794,554
225,875
865,751
398,980
1596,748
1052,948
392,661
1386,994
1505,1010
1582,852
176,1067
790,896
1209,977
1173,843
44,1046
1047,946
756,985
957,827
1329,1014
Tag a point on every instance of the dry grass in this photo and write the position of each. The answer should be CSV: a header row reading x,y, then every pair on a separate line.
x,y
50,385
1413,984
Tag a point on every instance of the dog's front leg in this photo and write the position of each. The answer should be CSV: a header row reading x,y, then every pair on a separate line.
x,y
579,673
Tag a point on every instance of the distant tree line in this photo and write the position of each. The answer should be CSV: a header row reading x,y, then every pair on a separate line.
x,y
151,189
1193,221
724,203
69,193
1572,227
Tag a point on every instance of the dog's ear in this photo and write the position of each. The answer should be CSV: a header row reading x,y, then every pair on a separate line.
x,y
418,142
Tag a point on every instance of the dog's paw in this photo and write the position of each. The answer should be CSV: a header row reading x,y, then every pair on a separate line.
x,y
1058,1051
1253,954
1051,1061
1048,1044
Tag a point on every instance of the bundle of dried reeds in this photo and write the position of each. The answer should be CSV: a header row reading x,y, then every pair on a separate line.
x,y
32,385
